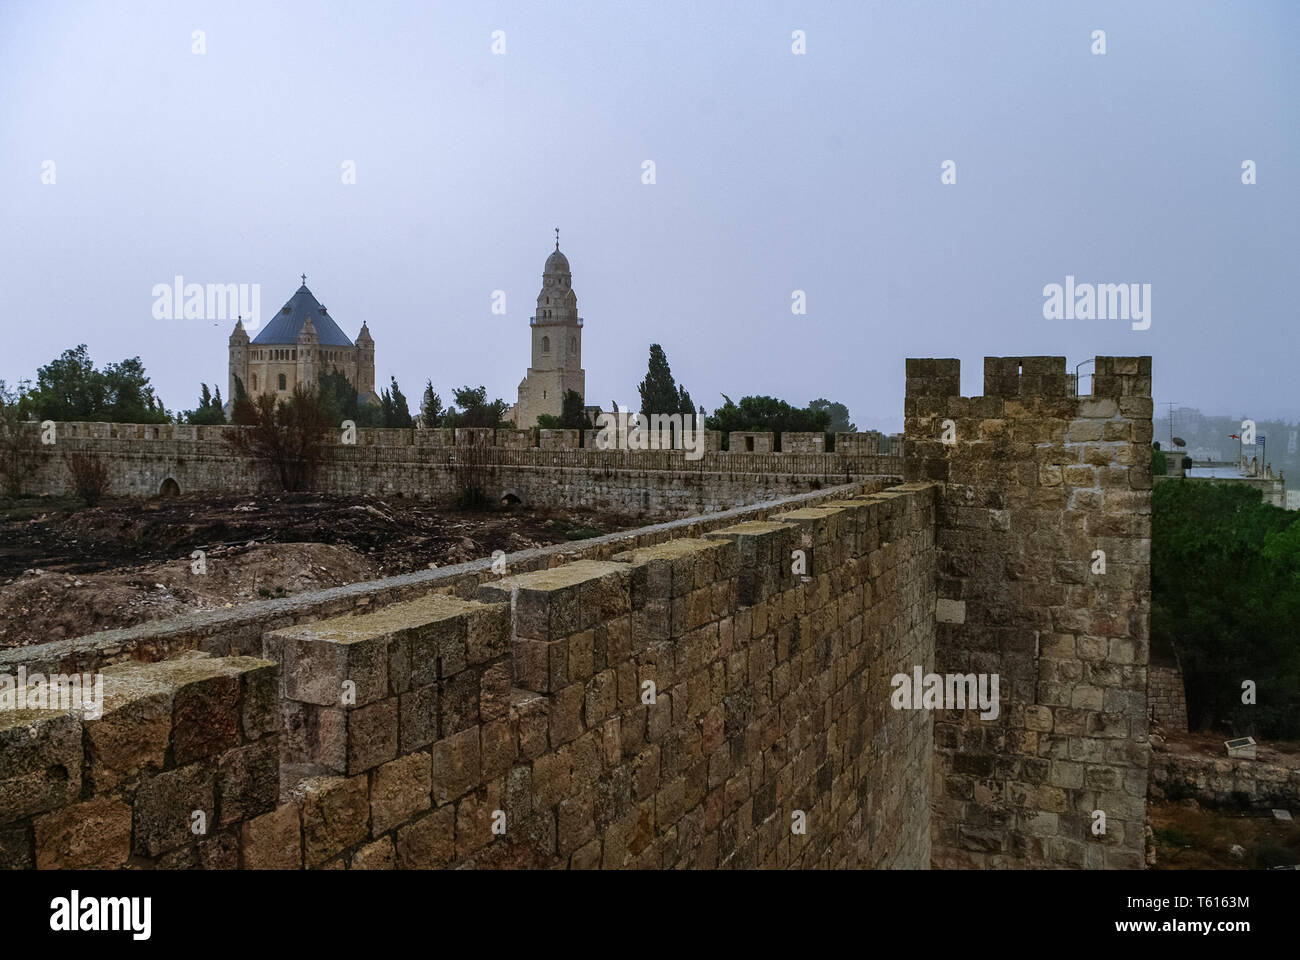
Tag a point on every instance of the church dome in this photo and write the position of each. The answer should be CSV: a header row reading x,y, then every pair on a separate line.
x,y
557,263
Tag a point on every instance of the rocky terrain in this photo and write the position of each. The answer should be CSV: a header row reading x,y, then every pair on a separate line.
x,y
67,569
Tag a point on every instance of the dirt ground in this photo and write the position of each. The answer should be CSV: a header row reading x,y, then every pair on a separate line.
x,y
1188,836
67,569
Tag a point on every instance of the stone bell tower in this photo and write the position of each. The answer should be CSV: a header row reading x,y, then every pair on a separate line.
x,y
556,332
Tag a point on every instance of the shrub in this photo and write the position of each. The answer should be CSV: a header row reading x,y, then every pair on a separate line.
x,y
89,477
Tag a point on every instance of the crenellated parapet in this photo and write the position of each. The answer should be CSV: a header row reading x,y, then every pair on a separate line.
x,y
1043,580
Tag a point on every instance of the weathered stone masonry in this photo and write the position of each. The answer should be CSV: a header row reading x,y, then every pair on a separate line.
x,y
469,694
422,464
771,696
1035,482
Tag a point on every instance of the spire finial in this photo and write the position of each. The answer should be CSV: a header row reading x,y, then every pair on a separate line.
x,y
557,238
304,279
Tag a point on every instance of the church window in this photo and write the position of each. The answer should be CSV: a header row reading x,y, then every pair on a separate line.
x,y
546,344
283,382
254,383
295,355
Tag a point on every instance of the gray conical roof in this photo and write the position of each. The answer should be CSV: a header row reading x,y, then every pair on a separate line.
x,y
286,324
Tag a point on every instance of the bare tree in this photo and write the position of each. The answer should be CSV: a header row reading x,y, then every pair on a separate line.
x,y
89,477
17,443
472,469
287,435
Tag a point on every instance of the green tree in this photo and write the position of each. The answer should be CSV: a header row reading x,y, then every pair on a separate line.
x,y
1225,603
838,412
659,392
766,413
338,397
70,388
242,411
573,415
393,404
431,406
209,409
684,403
475,410
129,396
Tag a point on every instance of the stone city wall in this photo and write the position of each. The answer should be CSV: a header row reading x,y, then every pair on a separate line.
x,y
1232,782
415,714
690,701
423,464
1167,698
1035,482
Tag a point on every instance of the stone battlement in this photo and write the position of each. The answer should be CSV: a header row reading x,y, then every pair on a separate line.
x,y
686,703
1043,579
711,692
144,460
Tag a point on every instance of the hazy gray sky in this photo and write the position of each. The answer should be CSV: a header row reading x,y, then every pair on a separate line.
x,y
775,172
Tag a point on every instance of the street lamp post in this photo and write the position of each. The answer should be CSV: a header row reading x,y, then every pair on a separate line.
x,y
1077,391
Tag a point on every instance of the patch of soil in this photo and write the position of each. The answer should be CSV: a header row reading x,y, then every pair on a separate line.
x,y
67,570
1285,753
1187,836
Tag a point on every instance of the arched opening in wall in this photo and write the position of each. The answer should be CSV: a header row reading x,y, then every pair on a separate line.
x,y
169,488
510,499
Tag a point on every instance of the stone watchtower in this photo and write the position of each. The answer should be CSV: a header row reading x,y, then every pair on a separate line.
x,y
1044,580
299,343
557,345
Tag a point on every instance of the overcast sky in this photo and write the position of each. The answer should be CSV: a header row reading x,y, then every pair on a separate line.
x,y
774,172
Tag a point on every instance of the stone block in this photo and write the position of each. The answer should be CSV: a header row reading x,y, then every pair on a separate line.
x,y
335,816
457,765
372,735
273,841
95,835
380,855
428,843
399,789
165,805
248,780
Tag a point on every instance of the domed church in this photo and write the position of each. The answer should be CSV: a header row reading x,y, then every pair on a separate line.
x,y
557,345
299,343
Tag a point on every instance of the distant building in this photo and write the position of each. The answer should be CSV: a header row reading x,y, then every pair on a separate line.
x,y
300,342
1245,472
556,334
